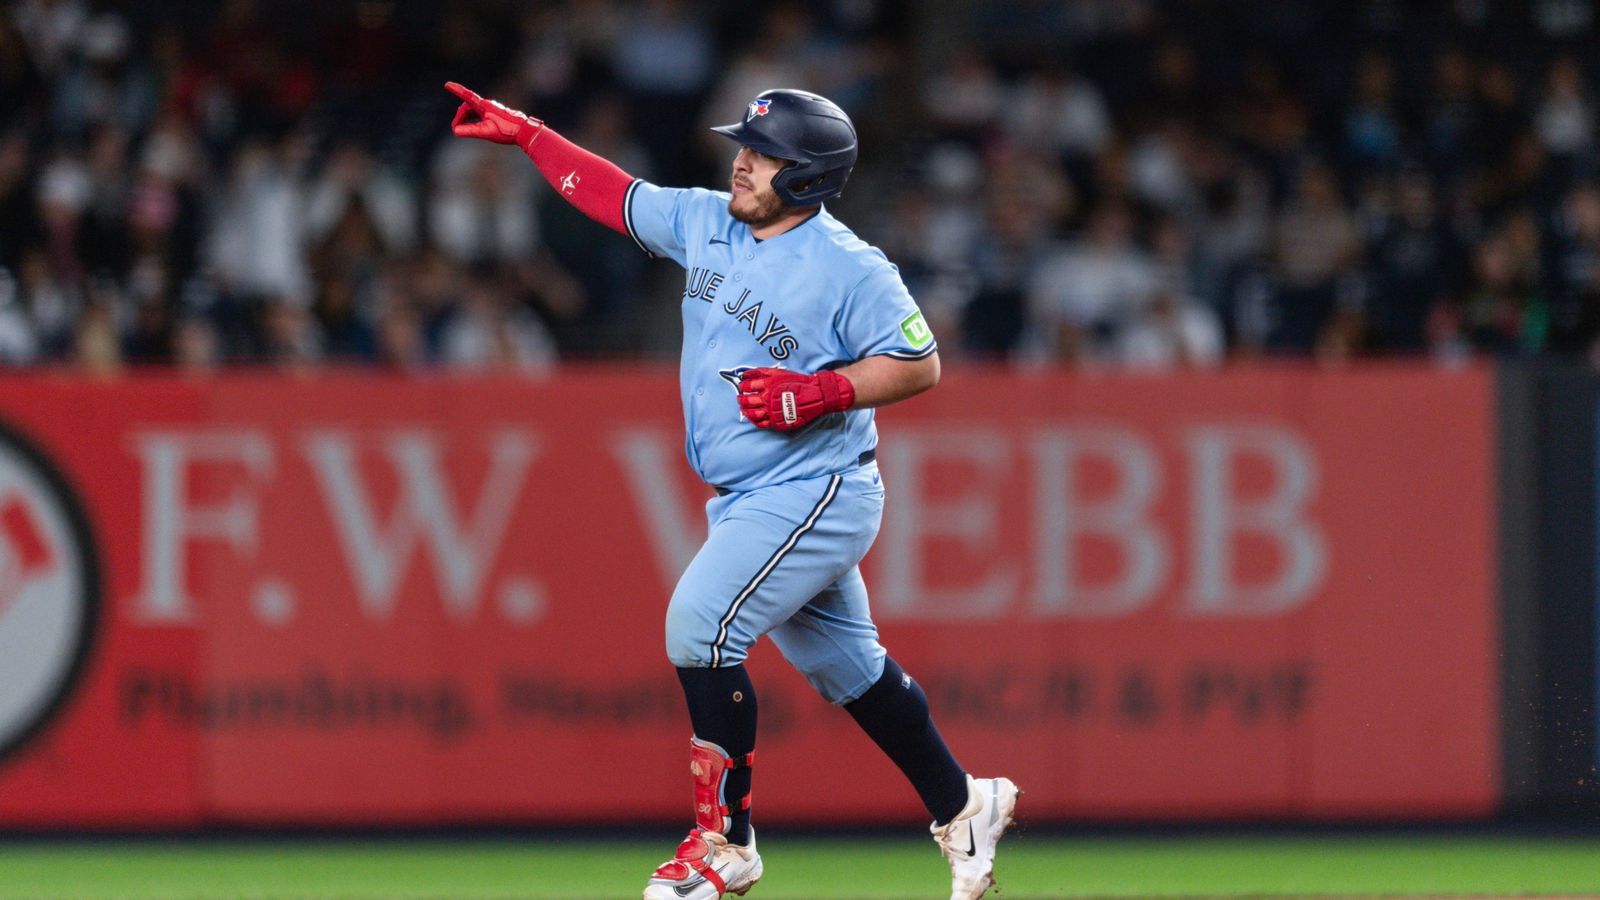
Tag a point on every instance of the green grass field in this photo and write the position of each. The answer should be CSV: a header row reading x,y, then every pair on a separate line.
x,y
1030,866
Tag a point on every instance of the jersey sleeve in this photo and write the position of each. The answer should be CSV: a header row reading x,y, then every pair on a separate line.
x,y
658,218
879,318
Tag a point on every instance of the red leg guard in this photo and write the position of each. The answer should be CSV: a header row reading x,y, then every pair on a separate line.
x,y
710,765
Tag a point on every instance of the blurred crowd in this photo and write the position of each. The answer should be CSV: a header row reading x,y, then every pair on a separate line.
x,y
1145,183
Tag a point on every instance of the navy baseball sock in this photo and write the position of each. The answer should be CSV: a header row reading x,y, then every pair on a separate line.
x,y
722,708
894,713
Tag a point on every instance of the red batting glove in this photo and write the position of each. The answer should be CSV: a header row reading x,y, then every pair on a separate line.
x,y
784,401
494,120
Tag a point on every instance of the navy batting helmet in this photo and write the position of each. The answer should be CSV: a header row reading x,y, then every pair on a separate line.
x,y
809,130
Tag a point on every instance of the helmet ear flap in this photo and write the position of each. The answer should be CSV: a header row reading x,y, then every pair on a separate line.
x,y
792,184
800,184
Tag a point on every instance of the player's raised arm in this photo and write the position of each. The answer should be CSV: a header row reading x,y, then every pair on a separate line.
x,y
593,184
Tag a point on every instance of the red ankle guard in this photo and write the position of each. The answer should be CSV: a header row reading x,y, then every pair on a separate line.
x,y
710,765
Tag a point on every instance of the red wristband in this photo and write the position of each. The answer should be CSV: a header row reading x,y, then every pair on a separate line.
x,y
838,394
527,133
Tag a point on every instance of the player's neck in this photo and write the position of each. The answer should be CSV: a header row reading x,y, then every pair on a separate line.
x,y
789,222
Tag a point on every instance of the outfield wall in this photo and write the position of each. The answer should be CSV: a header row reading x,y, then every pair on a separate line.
x,y
1269,593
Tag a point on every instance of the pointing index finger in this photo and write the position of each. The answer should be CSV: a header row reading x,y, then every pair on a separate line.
x,y
466,94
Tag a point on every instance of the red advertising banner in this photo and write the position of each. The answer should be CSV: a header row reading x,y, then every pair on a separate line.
x,y
368,600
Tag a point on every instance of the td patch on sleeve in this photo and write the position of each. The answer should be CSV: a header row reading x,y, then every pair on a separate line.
x,y
916,330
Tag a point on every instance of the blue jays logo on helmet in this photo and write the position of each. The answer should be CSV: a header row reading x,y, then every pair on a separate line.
x,y
758,107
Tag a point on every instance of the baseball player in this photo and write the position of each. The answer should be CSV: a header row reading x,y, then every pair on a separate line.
x,y
793,331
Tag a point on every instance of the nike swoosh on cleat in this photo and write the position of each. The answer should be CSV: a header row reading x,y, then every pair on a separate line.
x,y
684,890
972,843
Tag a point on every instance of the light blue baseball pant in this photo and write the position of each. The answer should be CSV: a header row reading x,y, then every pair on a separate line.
x,y
783,561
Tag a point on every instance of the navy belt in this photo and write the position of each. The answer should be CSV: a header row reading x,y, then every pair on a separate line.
x,y
865,457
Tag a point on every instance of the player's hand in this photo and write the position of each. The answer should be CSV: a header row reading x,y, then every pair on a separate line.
x,y
490,120
784,401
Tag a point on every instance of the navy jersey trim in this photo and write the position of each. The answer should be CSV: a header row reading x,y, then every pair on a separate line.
x,y
627,215
772,563
924,353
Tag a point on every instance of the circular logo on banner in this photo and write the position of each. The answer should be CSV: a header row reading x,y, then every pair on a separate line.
x,y
49,590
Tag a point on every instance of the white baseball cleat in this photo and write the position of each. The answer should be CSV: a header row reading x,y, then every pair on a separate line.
x,y
706,867
969,839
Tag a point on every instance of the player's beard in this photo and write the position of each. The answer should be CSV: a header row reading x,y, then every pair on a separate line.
x,y
758,209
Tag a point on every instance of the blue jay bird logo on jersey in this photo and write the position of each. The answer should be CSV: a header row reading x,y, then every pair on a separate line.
x,y
758,107
735,375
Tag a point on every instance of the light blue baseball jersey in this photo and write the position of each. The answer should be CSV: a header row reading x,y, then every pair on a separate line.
x,y
815,297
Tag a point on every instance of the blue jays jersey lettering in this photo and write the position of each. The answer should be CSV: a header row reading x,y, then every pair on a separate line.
x,y
815,297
